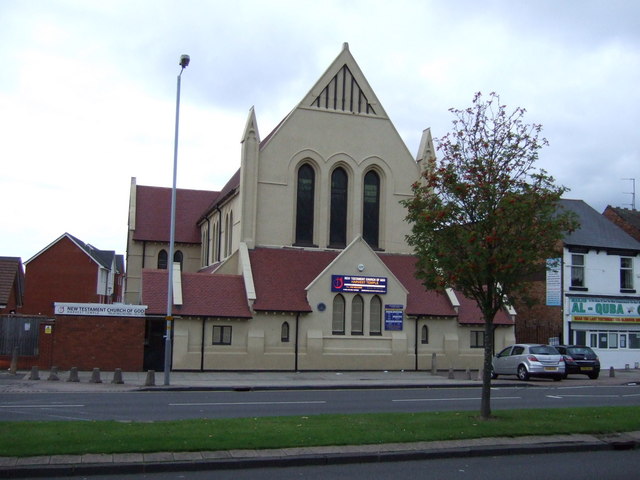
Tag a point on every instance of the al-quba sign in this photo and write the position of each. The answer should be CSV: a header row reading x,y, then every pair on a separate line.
x,y
608,310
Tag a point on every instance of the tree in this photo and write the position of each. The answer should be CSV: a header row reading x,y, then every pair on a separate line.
x,y
483,218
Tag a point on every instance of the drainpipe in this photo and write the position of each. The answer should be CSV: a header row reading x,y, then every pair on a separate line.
x,y
202,346
416,343
296,342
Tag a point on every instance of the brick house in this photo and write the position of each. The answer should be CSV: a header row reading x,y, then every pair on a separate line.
x,y
69,270
626,218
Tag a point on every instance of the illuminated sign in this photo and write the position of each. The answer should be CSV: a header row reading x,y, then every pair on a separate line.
x,y
353,284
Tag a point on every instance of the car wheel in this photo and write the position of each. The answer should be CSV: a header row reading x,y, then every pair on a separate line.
x,y
522,373
593,376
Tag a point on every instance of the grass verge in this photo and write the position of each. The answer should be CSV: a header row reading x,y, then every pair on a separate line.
x,y
67,438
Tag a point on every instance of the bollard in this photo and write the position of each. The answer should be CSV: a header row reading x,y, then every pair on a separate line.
x,y
53,375
13,367
451,375
468,374
612,372
151,379
35,375
73,375
117,376
434,364
95,376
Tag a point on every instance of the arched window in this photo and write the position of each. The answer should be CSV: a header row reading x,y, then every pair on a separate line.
x,y
228,234
305,205
162,259
284,332
357,315
338,221
337,326
177,258
375,316
371,209
424,337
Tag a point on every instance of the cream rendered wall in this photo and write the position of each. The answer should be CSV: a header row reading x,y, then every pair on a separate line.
x,y
329,139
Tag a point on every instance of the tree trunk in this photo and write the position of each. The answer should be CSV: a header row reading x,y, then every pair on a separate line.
x,y
485,403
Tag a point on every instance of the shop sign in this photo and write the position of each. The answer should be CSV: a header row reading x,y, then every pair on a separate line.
x,y
354,284
100,309
393,317
609,310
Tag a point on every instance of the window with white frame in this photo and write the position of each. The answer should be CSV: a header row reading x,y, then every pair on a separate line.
x,y
577,270
626,273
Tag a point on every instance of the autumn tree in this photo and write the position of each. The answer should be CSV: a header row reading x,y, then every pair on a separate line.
x,y
483,218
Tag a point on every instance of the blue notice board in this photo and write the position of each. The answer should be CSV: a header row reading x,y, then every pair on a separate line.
x,y
393,317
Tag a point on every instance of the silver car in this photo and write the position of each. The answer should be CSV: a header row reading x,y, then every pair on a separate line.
x,y
529,360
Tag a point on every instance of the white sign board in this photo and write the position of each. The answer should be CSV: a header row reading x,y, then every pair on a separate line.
x,y
100,309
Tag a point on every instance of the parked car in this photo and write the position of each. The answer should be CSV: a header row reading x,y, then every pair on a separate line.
x,y
529,360
581,360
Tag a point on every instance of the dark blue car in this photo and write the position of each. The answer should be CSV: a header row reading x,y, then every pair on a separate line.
x,y
579,359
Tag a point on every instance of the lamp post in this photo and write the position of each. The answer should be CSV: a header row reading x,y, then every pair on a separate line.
x,y
184,63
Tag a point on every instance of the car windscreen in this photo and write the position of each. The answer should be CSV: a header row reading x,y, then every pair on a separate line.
x,y
544,350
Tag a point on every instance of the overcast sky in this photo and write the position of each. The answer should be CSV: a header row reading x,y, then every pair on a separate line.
x,y
87,91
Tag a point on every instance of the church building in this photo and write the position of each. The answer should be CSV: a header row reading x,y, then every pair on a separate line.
x,y
303,257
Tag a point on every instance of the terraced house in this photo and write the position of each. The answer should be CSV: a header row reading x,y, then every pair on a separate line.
x,y
303,263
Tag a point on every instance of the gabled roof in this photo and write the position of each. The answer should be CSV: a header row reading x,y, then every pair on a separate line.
x,y
595,230
11,279
203,295
153,213
103,258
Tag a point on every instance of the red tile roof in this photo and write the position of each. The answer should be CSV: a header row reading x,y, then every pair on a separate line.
x,y
11,278
420,301
202,295
281,275
153,213
470,313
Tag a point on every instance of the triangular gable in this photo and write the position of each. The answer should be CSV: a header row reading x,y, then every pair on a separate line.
x,y
367,258
344,88
97,256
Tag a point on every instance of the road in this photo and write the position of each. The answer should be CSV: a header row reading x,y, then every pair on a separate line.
x,y
167,405
605,465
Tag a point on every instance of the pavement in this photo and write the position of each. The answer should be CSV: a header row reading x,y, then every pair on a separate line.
x,y
136,463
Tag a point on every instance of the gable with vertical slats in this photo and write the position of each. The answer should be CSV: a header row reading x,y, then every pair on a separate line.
x,y
343,93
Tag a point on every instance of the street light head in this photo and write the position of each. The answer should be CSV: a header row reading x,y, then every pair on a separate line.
x,y
184,61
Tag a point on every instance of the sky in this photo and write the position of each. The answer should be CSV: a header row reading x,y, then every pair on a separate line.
x,y
88,92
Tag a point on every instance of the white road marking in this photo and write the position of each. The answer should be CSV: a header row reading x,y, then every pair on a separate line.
x,y
451,399
41,406
212,404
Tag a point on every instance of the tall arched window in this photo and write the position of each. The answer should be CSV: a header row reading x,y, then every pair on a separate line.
x,y
162,259
284,332
371,209
338,222
424,337
228,234
305,205
357,315
337,326
375,316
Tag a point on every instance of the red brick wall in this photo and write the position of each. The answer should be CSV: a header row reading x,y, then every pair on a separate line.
x,y
106,343
537,323
62,273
